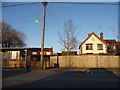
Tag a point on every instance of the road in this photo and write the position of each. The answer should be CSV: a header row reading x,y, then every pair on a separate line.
x,y
59,78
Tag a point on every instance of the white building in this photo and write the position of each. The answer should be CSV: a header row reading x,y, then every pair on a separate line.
x,y
93,45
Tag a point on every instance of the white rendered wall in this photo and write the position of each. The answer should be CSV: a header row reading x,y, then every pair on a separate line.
x,y
93,40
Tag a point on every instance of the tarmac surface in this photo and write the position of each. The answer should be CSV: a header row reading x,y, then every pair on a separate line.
x,y
61,78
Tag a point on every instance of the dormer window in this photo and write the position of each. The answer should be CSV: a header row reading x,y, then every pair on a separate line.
x,y
89,46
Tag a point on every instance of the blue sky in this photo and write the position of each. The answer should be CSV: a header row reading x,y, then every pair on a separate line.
x,y
60,0
87,18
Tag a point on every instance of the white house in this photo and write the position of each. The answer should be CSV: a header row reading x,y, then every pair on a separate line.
x,y
93,45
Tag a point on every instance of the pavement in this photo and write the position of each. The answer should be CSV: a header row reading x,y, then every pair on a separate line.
x,y
60,78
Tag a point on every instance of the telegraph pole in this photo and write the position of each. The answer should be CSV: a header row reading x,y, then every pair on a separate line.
x,y
43,32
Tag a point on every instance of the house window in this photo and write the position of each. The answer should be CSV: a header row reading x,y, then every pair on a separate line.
x,y
100,46
89,53
89,47
34,53
112,47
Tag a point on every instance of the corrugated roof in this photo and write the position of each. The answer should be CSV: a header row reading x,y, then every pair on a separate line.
x,y
22,48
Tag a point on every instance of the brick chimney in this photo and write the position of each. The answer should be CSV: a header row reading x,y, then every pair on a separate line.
x,y
101,35
89,34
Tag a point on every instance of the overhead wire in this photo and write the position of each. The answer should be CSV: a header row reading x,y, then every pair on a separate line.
x,y
26,21
4,6
95,3
99,3
54,19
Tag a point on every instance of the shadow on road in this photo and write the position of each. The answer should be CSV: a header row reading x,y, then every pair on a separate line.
x,y
9,72
91,78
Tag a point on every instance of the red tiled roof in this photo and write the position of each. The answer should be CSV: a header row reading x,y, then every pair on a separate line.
x,y
112,41
118,42
69,52
45,49
90,36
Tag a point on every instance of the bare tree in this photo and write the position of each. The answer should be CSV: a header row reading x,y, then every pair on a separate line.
x,y
11,37
68,39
